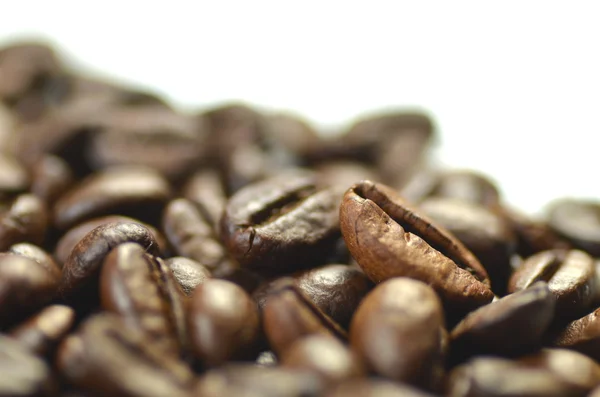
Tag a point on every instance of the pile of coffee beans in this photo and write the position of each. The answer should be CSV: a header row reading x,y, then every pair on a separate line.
x,y
237,252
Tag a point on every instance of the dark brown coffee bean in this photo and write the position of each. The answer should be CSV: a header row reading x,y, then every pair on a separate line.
x,y
396,332
24,220
289,315
512,325
550,373
223,322
44,331
578,221
83,264
25,285
139,288
571,277
192,236
281,224
188,273
325,356
14,177
336,290
136,192
150,136
205,190
236,380
21,373
389,239
108,358
51,177
582,335
70,239
375,388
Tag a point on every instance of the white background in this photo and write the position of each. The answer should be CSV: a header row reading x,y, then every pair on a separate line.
x,y
514,85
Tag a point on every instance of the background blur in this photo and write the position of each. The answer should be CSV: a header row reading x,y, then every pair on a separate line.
x,y
514,86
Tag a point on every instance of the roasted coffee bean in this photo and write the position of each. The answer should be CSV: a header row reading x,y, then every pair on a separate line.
x,y
282,224
108,358
192,236
24,219
325,356
344,173
22,373
375,388
571,277
83,264
137,192
484,233
512,325
51,176
397,332
205,190
389,239
14,178
25,285
151,136
550,373
289,138
188,273
141,289
578,221
582,335
236,380
37,254
44,331
336,290
289,315
223,323
70,239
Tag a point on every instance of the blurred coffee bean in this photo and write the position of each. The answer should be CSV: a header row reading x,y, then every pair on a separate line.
x,y
288,315
512,325
344,173
21,373
484,233
187,273
223,323
282,224
571,277
142,291
14,177
375,388
396,331
37,254
107,358
205,190
83,264
582,335
550,373
137,192
336,290
389,239
45,330
51,177
327,357
578,221
24,219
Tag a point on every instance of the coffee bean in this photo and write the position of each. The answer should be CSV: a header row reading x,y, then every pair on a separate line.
x,y
389,239
136,192
51,177
289,315
37,254
205,190
512,325
344,173
44,331
14,177
325,356
396,331
83,264
483,232
549,373
223,322
582,335
375,388
336,290
21,373
108,358
281,224
140,288
289,138
24,219
571,277
187,273
578,221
